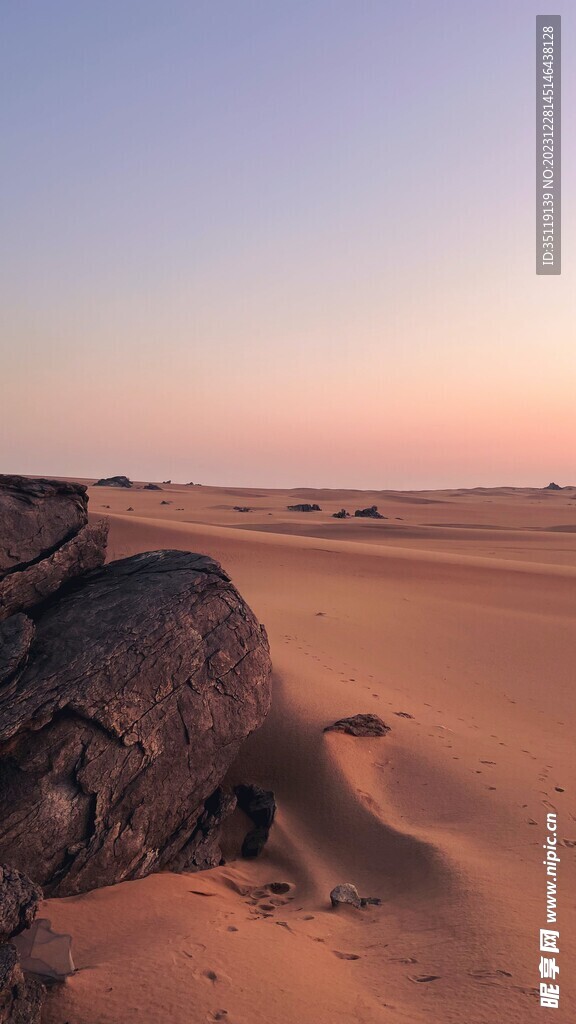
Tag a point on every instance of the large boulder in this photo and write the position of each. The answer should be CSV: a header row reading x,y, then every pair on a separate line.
x,y
45,540
120,712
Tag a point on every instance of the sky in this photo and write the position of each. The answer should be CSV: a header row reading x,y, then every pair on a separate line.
x,y
281,243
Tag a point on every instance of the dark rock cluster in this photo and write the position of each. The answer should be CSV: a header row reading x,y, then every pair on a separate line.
x,y
152,487
342,514
304,508
125,693
553,487
369,513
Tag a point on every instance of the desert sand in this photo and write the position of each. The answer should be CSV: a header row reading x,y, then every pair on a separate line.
x,y
458,611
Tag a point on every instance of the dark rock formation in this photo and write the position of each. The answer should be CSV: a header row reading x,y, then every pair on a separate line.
x,y
119,716
553,487
166,481
45,540
114,481
19,899
242,508
152,487
304,508
163,502
342,514
21,591
20,998
260,806
369,513
36,518
202,850
16,635
360,725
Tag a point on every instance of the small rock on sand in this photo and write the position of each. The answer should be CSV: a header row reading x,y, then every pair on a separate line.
x,y
360,725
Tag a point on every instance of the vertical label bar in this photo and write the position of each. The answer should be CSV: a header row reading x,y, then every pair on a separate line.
x,y
548,152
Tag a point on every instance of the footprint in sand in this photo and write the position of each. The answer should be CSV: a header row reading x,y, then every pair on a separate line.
x,y
345,956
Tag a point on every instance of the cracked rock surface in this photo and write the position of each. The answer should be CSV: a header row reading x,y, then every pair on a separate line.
x,y
119,716
45,540
20,997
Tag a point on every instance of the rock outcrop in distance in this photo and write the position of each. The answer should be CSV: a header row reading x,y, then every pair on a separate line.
x,y
369,513
553,487
152,487
124,697
342,514
304,508
114,481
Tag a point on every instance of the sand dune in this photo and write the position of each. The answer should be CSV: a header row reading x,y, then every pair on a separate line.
x,y
463,617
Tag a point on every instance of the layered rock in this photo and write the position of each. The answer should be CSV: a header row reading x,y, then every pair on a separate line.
x,y
120,713
45,540
37,517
